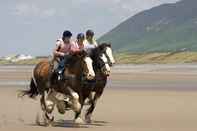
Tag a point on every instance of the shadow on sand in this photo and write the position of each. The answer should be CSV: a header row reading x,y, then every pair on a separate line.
x,y
71,124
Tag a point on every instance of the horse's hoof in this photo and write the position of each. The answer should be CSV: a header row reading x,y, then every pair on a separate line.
x,y
48,120
48,123
45,123
88,119
51,124
38,119
78,121
42,122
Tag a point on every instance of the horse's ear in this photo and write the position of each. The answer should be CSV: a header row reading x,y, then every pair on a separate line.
x,y
109,44
101,46
82,54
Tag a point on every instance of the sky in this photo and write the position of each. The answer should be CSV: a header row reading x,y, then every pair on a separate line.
x,y
33,26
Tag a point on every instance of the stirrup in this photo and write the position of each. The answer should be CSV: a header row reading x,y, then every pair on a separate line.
x,y
59,77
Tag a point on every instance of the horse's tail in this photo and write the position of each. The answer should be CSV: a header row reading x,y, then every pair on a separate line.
x,y
32,92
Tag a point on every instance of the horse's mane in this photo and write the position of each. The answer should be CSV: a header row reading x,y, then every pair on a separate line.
x,y
95,52
99,49
77,57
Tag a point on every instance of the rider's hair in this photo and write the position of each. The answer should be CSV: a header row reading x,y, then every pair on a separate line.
x,y
89,33
80,36
66,33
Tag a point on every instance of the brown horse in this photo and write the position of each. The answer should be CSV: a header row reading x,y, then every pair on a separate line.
x,y
80,65
101,65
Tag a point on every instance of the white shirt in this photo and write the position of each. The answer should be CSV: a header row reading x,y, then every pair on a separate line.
x,y
89,46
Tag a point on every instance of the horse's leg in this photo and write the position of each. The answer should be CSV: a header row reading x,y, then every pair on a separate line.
x,y
90,110
47,105
90,98
38,122
78,119
76,106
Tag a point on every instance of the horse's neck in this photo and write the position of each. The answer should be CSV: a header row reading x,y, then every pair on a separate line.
x,y
94,54
95,57
75,68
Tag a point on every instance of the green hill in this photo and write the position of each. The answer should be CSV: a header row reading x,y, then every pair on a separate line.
x,y
166,28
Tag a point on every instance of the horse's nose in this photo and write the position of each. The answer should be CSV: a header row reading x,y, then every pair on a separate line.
x,y
90,77
107,73
113,62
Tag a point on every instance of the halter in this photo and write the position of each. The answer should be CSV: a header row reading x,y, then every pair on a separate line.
x,y
84,73
99,63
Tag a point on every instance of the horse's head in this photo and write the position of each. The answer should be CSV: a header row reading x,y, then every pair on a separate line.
x,y
106,48
100,60
86,64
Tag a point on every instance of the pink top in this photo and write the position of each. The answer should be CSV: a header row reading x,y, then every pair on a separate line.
x,y
74,47
80,46
62,48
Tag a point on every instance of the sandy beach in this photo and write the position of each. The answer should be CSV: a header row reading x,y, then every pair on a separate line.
x,y
137,98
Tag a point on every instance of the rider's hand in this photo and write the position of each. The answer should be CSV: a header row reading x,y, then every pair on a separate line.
x,y
62,54
66,53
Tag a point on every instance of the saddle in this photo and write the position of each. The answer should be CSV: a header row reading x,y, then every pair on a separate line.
x,y
57,72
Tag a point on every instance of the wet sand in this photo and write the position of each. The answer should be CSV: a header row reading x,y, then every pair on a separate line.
x,y
139,98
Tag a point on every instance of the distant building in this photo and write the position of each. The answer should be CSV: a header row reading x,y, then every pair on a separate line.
x,y
42,57
20,57
16,58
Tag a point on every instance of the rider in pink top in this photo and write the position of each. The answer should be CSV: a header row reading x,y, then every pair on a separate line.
x,y
80,41
64,47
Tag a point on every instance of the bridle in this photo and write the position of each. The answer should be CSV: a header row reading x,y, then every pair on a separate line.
x,y
99,62
108,59
84,69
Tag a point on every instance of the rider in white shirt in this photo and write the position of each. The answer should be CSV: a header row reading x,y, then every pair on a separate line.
x,y
90,42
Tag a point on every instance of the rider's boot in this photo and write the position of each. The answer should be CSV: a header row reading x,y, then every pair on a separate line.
x,y
60,69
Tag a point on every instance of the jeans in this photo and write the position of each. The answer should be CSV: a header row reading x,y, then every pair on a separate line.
x,y
62,65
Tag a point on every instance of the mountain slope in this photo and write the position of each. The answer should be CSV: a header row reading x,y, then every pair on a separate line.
x,y
169,27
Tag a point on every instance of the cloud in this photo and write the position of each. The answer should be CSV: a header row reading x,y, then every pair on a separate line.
x,y
138,5
23,9
49,12
41,21
31,9
128,8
